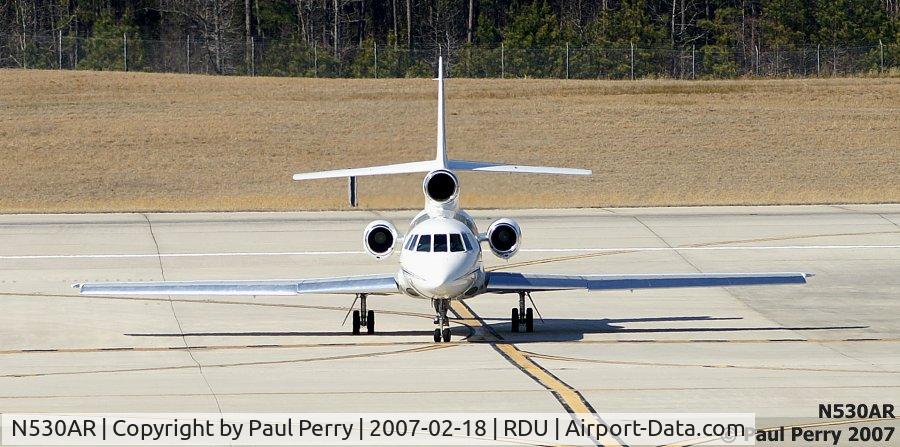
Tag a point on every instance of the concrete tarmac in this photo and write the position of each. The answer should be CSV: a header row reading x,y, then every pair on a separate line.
x,y
777,351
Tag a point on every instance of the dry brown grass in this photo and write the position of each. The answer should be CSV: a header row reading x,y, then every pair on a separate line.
x,y
78,141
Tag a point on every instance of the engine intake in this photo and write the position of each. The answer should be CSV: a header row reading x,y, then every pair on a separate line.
x,y
441,186
379,238
504,237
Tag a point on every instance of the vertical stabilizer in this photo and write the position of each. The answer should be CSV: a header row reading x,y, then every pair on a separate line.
x,y
440,161
441,128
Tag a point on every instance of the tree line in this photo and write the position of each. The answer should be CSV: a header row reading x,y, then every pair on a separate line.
x,y
344,37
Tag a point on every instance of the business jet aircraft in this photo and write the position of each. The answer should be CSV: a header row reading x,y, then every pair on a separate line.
x,y
440,256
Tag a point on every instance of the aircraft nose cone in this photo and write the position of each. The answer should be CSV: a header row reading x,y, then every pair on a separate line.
x,y
445,284
450,284
436,281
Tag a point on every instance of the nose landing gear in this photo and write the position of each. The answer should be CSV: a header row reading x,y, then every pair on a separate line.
x,y
522,316
443,331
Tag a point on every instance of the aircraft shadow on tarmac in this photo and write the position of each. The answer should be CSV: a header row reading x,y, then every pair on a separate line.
x,y
573,329
548,330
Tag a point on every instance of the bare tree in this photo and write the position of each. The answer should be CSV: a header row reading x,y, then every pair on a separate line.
x,y
394,15
337,37
215,22
247,33
301,19
470,22
444,25
24,16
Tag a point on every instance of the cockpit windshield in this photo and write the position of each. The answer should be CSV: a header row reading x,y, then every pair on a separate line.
x,y
440,242
456,243
411,242
424,243
453,242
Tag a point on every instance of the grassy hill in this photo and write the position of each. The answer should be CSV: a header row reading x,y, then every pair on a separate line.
x,y
105,141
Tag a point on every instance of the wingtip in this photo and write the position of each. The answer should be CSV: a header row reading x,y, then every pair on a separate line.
x,y
808,275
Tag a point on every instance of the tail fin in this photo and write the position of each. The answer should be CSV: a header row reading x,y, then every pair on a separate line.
x,y
441,126
440,161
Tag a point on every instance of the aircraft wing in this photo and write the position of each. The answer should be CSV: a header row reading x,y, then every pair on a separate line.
x,y
511,282
376,284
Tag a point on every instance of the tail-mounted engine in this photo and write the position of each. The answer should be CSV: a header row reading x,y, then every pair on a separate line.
x,y
379,238
504,237
441,186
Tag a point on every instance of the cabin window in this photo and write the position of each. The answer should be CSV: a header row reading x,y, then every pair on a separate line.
x,y
411,242
424,243
456,243
440,242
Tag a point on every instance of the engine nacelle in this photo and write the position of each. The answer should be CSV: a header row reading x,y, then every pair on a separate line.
x,y
504,237
441,186
379,238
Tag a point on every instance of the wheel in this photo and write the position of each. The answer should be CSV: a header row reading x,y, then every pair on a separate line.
x,y
515,320
529,320
355,322
370,322
446,334
437,335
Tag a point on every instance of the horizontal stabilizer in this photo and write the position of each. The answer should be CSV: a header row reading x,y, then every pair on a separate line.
x,y
485,166
401,168
430,165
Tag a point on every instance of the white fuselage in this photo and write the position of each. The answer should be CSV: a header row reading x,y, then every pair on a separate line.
x,y
441,257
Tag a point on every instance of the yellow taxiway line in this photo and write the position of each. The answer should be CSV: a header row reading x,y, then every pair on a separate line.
x,y
571,400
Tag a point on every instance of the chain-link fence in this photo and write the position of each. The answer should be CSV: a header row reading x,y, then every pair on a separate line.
x,y
284,57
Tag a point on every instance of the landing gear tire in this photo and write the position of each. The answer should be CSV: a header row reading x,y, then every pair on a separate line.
x,y
529,320
515,320
356,323
442,333
370,321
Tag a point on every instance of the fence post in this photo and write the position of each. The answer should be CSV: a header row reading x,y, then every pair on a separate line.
x,y
189,54
567,60
693,65
834,61
376,58
632,61
776,61
60,50
881,47
315,60
818,49
756,49
252,56
502,62
125,50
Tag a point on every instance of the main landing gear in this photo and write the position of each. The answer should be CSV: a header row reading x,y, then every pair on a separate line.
x,y
522,316
363,317
443,330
